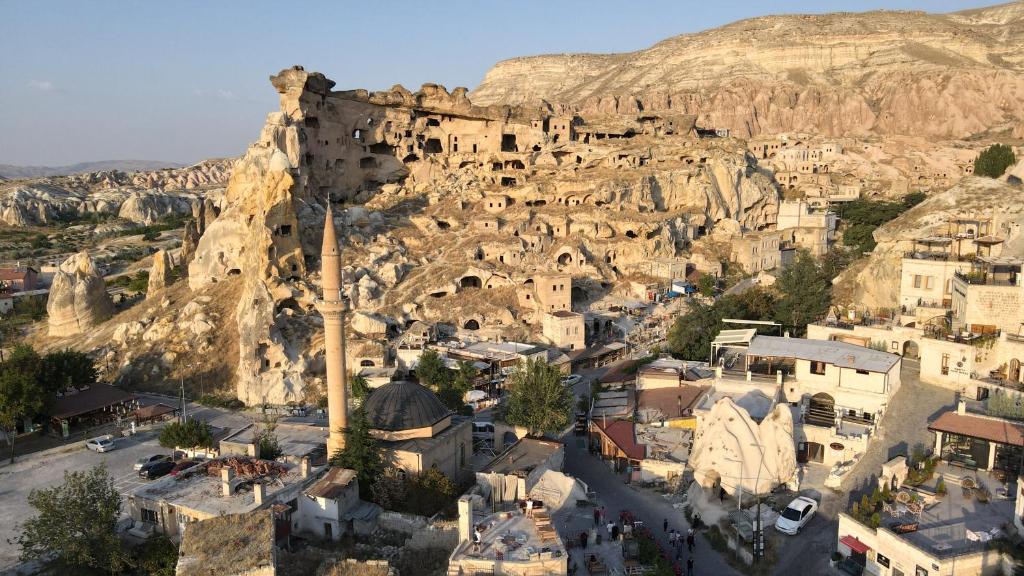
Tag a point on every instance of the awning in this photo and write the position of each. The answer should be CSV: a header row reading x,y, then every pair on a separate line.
x,y
854,545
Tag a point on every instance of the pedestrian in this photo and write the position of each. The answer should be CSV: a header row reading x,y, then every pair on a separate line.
x,y
721,494
689,566
664,525
691,541
679,553
583,540
615,532
597,516
672,537
609,527
478,534
529,507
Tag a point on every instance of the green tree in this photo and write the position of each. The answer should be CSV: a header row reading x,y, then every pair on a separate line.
x,y
806,293
66,368
431,371
706,285
360,387
860,238
21,393
157,556
452,392
429,492
361,453
190,434
139,282
266,439
691,334
913,199
994,160
537,399
76,523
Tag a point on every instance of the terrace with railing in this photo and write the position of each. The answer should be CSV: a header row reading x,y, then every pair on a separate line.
x,y
984,278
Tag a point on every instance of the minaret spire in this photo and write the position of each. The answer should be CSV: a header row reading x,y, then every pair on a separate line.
x,y
333,308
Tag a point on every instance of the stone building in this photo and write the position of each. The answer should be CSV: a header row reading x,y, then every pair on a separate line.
x,y
565,329
757,251
416,432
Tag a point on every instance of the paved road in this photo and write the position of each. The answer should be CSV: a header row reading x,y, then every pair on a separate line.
x,y
615,495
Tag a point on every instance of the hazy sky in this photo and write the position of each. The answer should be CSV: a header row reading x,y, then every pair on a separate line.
x,y
186,80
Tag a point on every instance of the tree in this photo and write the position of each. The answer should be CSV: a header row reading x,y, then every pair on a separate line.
x,y
76,522
66,368
691,335
429,491
188,434
21,394
452,392
266,439
537,399
706,285
806,292
994,160
157,556
361,452
139,282
360,387
860,238
431,371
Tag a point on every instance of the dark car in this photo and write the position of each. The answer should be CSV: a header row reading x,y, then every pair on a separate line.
x,y
182,465
146,461
156,470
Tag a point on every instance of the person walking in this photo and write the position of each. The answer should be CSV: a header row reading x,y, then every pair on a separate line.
x,y
691,540
664,525
597,516
610,526
583,539
689,566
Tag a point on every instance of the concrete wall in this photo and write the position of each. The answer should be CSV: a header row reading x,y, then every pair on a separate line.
x,y
565,332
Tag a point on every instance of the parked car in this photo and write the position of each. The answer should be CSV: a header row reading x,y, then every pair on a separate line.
x,y
143,462
796,515
182,465
101,444
571,379
156,469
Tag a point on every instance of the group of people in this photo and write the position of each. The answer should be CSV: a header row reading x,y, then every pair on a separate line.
x,y
676,540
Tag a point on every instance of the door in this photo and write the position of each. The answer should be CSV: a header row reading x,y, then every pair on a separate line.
x,y
328,531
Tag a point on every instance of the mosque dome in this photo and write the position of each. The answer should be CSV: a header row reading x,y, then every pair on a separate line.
x,y
403,405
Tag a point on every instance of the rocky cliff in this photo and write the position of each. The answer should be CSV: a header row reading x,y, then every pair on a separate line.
x,y
139,197
937,75
78,297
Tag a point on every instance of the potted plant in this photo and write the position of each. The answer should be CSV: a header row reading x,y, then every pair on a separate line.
x,y
836,557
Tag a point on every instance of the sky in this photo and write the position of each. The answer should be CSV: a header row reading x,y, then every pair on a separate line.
x,y
180,81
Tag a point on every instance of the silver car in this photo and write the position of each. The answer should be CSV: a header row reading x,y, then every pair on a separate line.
x,y
101,444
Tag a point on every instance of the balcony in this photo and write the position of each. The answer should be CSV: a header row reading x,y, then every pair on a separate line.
x,y
981,278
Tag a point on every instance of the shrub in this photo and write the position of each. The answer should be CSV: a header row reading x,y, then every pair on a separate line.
x,y
940,487
876,519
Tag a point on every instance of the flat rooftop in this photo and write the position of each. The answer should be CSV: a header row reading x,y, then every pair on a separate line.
x,y
841,354
295,439
756,398
200,491
957,525
523,457
516,538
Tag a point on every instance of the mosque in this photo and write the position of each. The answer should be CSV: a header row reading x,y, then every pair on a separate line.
x,y
414,428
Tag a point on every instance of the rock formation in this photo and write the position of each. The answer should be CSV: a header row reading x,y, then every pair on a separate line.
x,y
739,453
78,297
932,75
140,197
160,273
467,205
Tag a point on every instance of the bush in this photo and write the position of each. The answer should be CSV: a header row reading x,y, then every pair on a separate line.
x,y
876,519
190,434
212,401
940,487
994,161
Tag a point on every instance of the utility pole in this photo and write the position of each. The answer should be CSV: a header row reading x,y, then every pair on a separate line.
x,y
182,419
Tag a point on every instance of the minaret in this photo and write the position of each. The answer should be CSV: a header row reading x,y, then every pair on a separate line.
x,y
333,308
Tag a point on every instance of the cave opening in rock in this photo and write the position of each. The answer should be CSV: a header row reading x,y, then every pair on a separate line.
x,y
471,324
470,282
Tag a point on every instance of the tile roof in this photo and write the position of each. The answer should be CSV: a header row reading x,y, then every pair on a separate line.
x,y
621,433
94,398
986,428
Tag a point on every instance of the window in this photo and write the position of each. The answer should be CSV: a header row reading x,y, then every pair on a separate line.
x,y
945,364
817,368
149,515
917,280
929,282
921,571
882,560
862,372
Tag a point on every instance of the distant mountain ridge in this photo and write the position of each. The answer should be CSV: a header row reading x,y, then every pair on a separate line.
x,y
15,172
844,74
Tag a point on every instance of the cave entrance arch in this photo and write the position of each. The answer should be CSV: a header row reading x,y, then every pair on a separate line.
x,y
565,258
470,282
471,324
821,410
911,350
